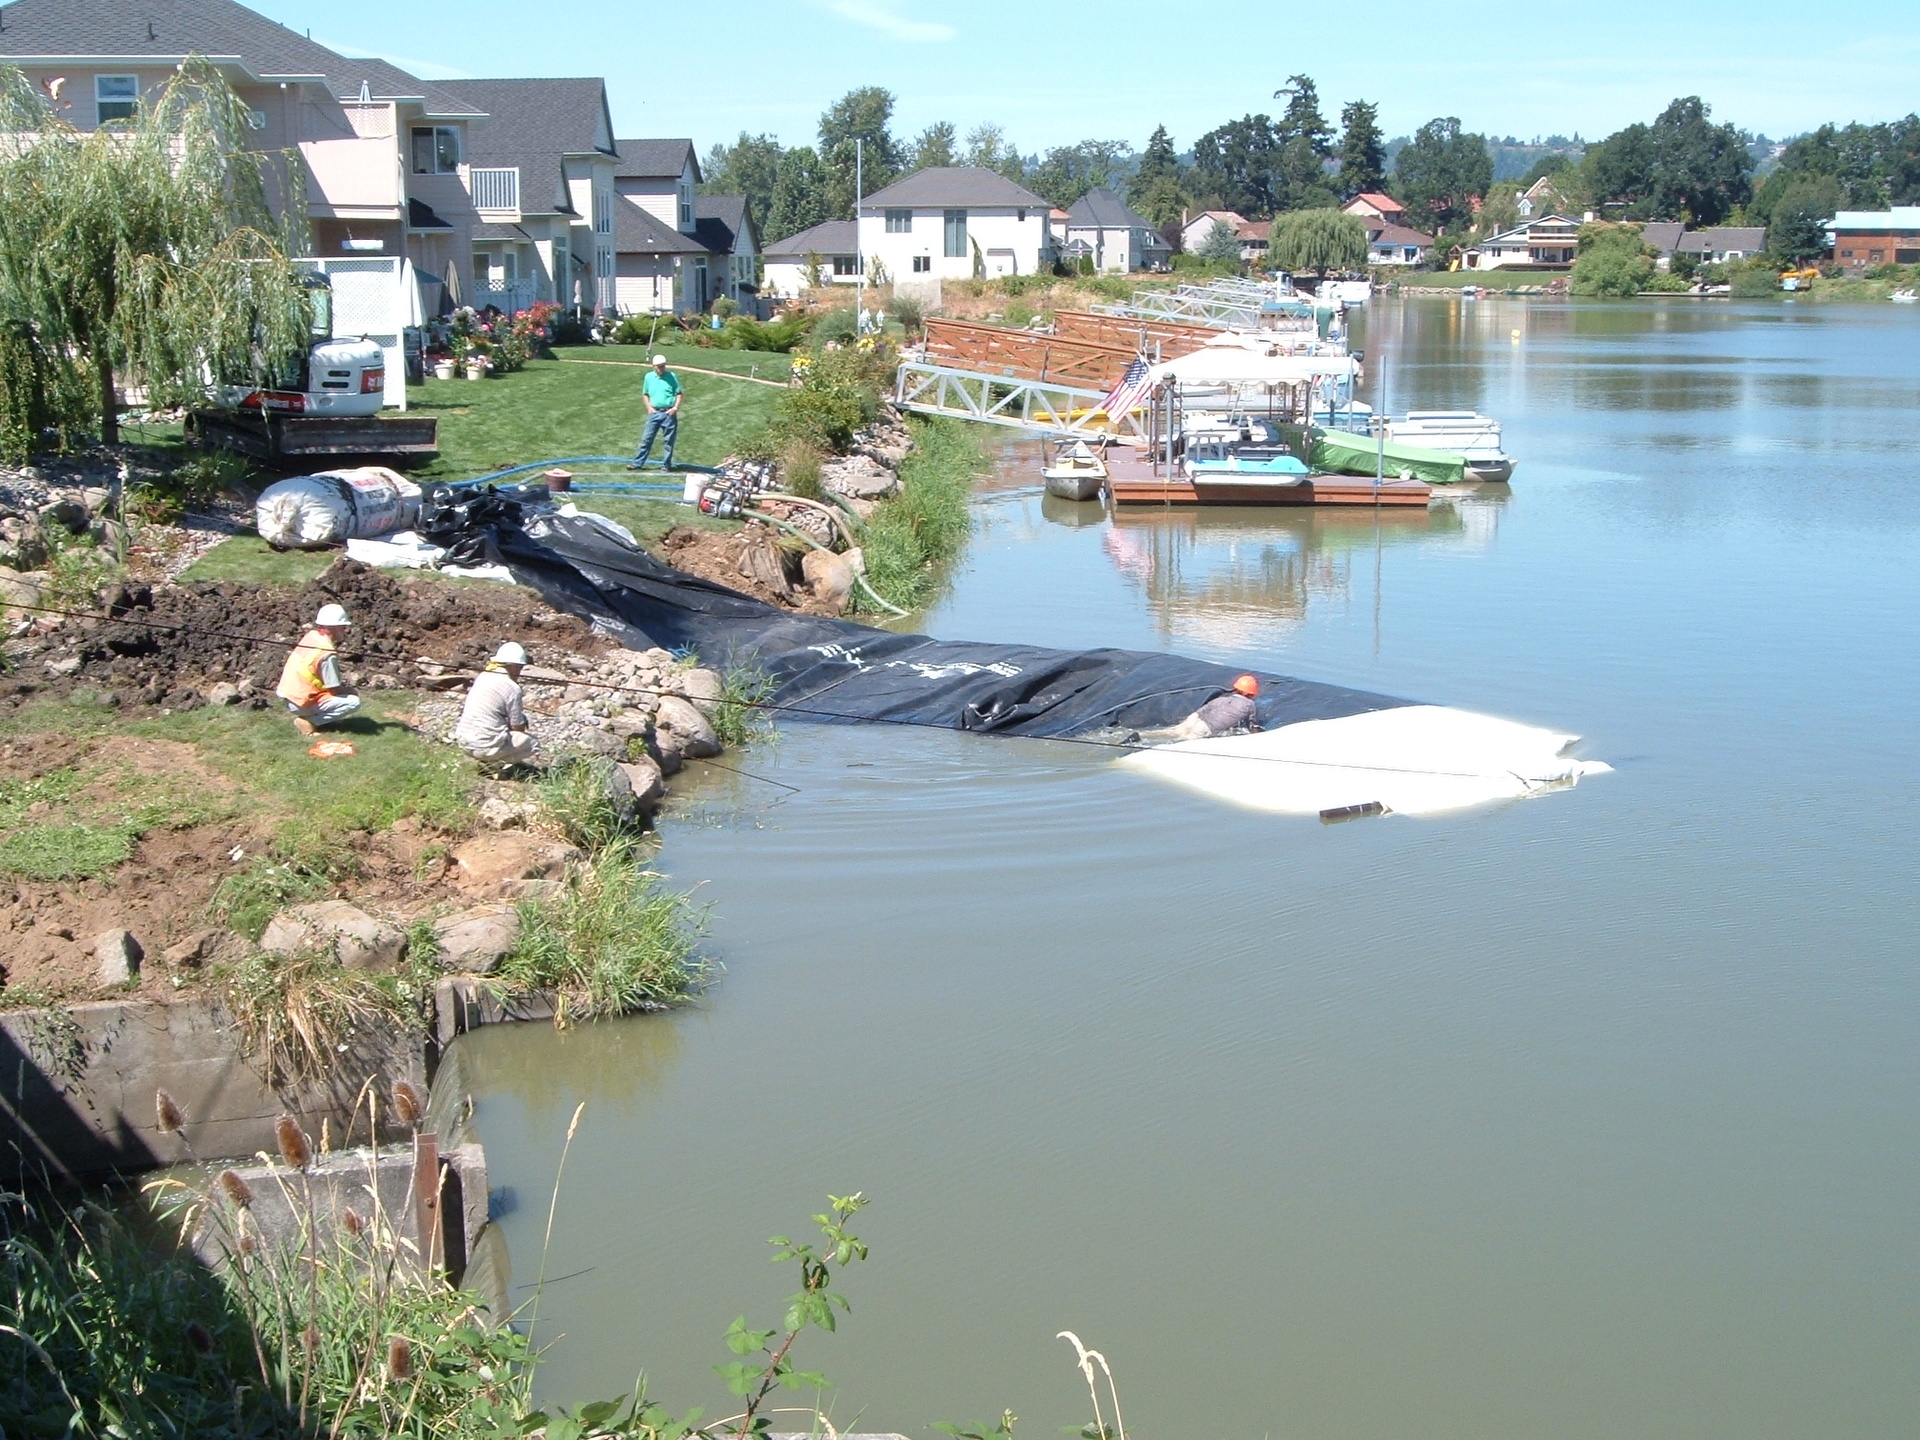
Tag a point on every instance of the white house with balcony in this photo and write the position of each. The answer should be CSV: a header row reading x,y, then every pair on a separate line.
x,y
1549,243
540,170
952,223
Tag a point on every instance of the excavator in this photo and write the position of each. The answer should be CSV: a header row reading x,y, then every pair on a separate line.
x,y
325,406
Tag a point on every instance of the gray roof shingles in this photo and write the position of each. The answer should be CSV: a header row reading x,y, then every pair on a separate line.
x,y
531,124
655,159
831,237
1104,209
955,187
637,232
36,28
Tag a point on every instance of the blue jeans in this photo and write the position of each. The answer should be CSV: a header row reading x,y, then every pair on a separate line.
x,y
660,422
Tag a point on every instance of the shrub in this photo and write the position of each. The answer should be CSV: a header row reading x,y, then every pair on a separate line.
x,y
1613,261
800,468
840,391
909,312
839,325
1755,282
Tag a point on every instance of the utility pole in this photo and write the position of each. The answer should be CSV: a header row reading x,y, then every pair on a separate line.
x,y
859,249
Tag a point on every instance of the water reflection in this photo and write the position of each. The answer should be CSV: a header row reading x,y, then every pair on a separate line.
x,y
617,1066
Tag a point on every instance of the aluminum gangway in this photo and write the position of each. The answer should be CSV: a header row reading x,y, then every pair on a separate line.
x,y
927,387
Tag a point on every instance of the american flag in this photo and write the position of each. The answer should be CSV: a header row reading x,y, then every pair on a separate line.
x,y
1131,390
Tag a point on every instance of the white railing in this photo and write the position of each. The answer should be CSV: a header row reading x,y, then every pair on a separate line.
x,y
510,296
494,189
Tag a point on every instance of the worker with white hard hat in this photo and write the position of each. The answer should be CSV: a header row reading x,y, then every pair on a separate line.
x,y
310,681
660,389
493,722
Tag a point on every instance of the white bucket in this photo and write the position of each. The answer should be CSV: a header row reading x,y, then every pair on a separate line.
x,y
690,491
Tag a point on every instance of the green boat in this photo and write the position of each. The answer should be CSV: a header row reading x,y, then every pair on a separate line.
x,y
1340,453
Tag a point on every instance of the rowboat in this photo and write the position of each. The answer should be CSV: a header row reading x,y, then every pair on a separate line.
x,y
1075,472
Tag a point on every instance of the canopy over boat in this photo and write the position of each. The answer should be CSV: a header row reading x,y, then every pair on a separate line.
x,y
1234,360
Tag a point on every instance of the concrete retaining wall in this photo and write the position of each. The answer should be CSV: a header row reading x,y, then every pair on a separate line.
x,y
77,1088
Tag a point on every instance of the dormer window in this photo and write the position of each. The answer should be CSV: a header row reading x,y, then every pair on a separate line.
x,y
116,97
436,150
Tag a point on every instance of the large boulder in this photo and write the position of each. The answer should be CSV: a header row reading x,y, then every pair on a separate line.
x,y
704,688
22,547
692,732
649,785
487,863
474,942
357,940
830,577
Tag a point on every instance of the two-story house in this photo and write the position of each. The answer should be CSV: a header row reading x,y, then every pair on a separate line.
x,y
951,223
541,169
385,153
1117,239
679,250
1548,243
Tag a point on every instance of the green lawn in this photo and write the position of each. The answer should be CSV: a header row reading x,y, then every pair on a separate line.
x,y
764,363
554,409
249,560
1485,279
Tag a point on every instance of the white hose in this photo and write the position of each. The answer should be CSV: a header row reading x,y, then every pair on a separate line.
x,y
858,577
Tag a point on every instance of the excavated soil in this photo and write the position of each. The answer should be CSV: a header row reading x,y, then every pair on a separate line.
x,y
748,560
170,645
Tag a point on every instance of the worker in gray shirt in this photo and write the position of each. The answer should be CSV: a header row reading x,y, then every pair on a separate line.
x,y
1238,709
493,722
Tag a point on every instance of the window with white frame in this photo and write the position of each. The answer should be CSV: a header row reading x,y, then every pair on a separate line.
x,y
115,97
899,222
845,265
922,264
436,150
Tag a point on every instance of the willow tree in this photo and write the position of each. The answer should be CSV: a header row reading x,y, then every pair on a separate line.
x,y
145,252
1317,240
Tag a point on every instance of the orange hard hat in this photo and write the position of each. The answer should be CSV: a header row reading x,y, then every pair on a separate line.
x,y
1247,685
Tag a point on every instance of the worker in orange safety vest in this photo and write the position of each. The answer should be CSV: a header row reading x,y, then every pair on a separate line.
x,y
310,681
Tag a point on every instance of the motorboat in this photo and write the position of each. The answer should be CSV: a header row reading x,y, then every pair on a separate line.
x,y
1902,297
1225,458
1076,472
1336,294
1466,433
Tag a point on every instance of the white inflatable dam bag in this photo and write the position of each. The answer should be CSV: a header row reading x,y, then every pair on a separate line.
x,y
312,512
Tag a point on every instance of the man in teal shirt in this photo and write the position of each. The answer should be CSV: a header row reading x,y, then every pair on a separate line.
x,y
660,388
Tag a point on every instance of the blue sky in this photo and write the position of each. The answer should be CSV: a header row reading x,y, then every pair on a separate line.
x,y
712,70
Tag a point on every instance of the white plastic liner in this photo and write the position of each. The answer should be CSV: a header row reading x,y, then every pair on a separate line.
x,y
407,551
1414,760
311,512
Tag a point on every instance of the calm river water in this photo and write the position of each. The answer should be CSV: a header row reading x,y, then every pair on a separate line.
x,y
1595,1115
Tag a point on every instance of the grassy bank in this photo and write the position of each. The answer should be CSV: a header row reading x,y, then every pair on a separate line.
x,y
764,364
557,408
911,538
1457,279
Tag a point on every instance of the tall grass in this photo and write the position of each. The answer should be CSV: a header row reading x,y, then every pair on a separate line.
x,y
615,942
911,537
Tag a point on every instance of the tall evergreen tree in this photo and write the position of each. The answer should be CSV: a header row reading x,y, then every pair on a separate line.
x,y
1157,189
1363,149
936,147
799,194
860,115
750,167
1304,142
1233,166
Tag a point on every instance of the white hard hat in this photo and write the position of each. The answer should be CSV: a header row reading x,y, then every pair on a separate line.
x,y
659,359
511,653
331,615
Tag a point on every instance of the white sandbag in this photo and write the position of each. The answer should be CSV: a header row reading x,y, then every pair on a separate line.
x,y
1412,759
312,512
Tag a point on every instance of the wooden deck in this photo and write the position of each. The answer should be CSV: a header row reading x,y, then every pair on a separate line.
x,y
1131,481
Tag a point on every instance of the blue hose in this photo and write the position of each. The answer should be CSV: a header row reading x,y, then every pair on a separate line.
x,y
494,475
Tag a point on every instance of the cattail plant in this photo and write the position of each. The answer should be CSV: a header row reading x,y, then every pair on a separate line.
x,y
296,1151
408,1105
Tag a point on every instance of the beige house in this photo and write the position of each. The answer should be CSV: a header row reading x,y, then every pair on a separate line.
x,y
1372,205
386,154
677,249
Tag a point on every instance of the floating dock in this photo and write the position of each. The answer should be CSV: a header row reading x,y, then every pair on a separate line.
x,y
1131,480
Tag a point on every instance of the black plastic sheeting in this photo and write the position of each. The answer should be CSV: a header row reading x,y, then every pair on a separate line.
x,y
837,670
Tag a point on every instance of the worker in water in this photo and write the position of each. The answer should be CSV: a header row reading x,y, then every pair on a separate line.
x,y
1238,709
310,681
660,388
493,722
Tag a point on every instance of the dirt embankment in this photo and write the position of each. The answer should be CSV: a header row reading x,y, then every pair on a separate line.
x,y
114,817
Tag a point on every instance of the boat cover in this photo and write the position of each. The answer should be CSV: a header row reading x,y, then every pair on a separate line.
x,y
838,670
1337,452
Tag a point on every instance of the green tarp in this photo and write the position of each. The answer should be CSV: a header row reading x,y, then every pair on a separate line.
x,y
1339,453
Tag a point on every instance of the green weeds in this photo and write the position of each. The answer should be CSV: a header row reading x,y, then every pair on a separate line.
x,y
616,941
912,536
740,719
